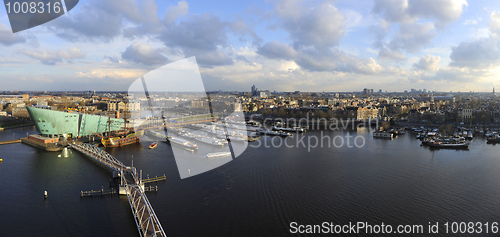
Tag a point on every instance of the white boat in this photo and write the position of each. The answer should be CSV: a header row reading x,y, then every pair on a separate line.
x,y
182,143
218,154
210,141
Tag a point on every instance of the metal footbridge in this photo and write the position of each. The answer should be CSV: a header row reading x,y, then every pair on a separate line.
x,y
130,185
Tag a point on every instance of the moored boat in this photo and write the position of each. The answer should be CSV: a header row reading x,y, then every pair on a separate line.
x,y
218,154
153,145
122,141
494,139
210,141
449,144
182,143
383,135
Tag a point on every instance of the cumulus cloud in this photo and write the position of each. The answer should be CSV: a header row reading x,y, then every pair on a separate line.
x,y
203,36
202,32
143,53
443,11
411,37
174,12
7,37
385,53
452,75
428,63
87,24
314,32
337,61
210,59
494,25
51,57
242,28
392,10
277,50
321,26
479,53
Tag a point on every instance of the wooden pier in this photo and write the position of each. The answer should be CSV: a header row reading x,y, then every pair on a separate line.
x,y
156,179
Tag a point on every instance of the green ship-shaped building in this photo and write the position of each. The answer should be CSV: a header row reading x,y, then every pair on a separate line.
x,y
57,123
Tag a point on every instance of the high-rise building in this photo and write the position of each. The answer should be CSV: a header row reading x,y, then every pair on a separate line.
x,y
255,91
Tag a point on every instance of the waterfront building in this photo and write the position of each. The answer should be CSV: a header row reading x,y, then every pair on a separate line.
x,y
64,124
366,113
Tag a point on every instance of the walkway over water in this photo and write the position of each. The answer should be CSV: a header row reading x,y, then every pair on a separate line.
x,y
144,215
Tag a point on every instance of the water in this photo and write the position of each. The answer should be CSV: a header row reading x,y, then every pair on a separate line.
x,y
259,193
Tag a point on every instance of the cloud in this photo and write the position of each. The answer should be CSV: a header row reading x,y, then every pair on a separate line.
x,y
337,61
472,21
144,11
240,27
409,11
444,11
89,23
411,37
143,53
385,53
277,50
51,57
203,36
494,25
392,10
451,75
201,32
8,38
212,58
321,26
479,53
174,12
428,63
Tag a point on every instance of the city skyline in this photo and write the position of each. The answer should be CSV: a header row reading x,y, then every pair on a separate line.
x,y
338,46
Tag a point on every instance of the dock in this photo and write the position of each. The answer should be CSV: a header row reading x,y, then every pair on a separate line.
x,y
145,218
41,145
10,141
155,179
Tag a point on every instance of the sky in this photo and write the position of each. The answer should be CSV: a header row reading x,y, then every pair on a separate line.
x,y
277,45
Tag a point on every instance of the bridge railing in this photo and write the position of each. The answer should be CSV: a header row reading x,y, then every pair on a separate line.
x,y
146,220
100,155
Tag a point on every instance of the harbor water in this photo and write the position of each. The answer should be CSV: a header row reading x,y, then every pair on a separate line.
x,y
257,194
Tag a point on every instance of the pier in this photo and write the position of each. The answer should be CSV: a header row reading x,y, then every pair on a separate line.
x,y
130,185
10,141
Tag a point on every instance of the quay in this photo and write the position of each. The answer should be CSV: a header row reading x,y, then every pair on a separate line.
x,y
145,218
10,141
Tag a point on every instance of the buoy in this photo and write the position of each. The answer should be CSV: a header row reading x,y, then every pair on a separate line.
x,y
1,160
45,194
